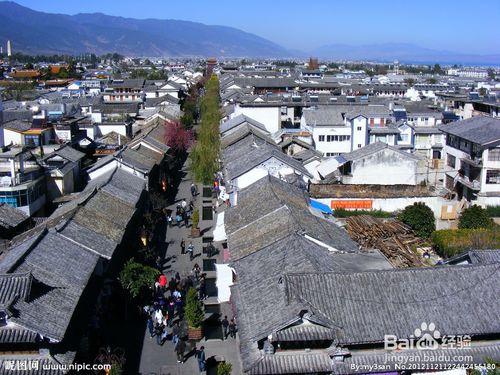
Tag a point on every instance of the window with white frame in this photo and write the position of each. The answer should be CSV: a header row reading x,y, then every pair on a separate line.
x,y
494,154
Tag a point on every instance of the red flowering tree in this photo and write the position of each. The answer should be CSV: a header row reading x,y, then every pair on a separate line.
x,y
177,137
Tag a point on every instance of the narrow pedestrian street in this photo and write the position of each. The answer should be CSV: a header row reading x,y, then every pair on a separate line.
x,y
162,360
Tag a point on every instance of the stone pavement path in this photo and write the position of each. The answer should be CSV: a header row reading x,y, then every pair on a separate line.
x,y
161,360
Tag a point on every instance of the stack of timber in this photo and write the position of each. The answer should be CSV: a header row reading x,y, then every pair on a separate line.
x,y
393,238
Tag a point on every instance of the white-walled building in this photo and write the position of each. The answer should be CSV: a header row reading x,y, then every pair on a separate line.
x,y
473,159
381,164
268,115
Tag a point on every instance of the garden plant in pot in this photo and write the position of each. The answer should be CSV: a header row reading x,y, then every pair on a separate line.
x,y
195,230
194,315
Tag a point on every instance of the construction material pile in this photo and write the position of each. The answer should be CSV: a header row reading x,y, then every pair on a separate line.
x,y
393,238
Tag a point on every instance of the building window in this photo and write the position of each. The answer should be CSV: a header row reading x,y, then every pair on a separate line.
x,y
360,128
451,161
321,138
493,176
359,145
494,154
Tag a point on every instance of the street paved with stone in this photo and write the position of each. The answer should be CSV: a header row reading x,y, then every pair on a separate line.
x,y
161,360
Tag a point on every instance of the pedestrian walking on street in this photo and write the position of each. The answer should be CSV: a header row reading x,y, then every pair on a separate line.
x,y
151,326
190,250
210,250
159,264
191,206
232,328
203,288
184,204
185,216
159,331
200,354
196,271
180,348
183,246
169,221
225,327
193,190
162,280
175,333
178,219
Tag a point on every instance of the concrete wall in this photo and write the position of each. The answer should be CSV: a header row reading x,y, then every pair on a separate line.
x,y
273,167
386,167
105,129
394,204
270,117
12,137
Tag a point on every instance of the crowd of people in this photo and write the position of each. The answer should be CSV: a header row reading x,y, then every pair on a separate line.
x,y
165,313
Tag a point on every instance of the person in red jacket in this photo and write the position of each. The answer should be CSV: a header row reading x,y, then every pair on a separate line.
x,y
162,280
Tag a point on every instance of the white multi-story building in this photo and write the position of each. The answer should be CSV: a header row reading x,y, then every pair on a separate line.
x,y
339,129
473,159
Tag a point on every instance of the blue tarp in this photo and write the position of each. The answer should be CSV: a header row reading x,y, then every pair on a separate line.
x,y
320,206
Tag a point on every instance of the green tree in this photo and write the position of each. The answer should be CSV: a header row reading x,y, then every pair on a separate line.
x,y
410,81
482,91
475,217
224,368
437,69
63,73
205,154
491,73
137,278
432,80
196,218
194,309
420,218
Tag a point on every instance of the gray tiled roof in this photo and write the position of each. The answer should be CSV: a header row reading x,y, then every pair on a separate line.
x,y
240,120
400,300
140,158
69,153
293,363
14,286
476,257
11,335
271,209
65,268
384,130
482,130
326,115
374,148
426,130
252,150
259,295
17,125
11,217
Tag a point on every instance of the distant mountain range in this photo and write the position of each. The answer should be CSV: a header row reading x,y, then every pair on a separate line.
x,y
36,32
403,52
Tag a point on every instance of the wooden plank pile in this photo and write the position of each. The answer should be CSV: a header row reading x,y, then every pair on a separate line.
x,y
393,238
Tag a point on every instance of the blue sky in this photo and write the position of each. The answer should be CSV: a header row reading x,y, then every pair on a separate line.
x,y
460,26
